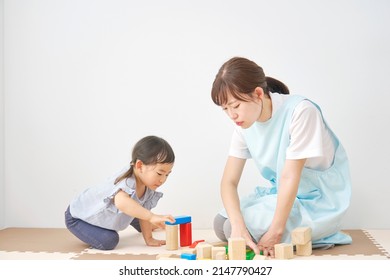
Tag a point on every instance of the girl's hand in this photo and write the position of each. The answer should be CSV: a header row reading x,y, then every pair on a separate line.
x,y
267,243
154,242
159,220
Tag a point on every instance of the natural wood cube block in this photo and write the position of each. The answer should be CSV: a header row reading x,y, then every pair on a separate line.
x,y
203,251
220,256
304,250
217,250
284,251
301,235
259,257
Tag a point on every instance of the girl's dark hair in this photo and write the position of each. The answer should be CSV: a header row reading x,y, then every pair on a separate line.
x,y
150,150
239,77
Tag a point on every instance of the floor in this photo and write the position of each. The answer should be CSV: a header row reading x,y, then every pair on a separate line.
x,y
59,244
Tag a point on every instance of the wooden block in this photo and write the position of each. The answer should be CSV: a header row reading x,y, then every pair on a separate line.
x,y
301,235
185,234
216,250
284,251
236,248
219,244
188,250
172,237
203,251
259,257
304,250
195,243
220,256
188,256
180,220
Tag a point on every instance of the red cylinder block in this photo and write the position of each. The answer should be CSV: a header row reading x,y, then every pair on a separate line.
x,y
185,234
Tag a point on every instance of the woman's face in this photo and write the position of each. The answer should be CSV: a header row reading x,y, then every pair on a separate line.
x,y
244,113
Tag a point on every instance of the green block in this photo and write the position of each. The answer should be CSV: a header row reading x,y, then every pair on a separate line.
x,y
250,255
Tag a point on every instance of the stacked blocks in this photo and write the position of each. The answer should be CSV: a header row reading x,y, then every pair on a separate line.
x,y
301,238
218,253
203,251
172,230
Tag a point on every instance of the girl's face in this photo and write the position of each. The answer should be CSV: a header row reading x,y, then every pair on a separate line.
x,y
244,113
153,176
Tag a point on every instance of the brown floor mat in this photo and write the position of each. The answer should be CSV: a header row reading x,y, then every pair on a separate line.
x,y
85,256
362,244
49,240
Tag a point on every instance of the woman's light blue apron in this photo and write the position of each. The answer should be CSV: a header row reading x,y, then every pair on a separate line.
x,y
323,196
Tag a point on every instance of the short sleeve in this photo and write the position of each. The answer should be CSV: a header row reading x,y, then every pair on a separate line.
x,y
152,198
306,132
238,147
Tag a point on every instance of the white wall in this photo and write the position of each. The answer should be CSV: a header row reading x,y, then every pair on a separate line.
x,y
84,80
2,180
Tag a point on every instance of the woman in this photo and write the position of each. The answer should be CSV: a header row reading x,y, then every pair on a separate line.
x,y
294,150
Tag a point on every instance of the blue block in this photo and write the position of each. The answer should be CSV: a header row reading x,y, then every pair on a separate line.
x,y
180,220
188,256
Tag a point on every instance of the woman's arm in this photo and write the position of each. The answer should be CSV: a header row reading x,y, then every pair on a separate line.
x,y
287,193
229,184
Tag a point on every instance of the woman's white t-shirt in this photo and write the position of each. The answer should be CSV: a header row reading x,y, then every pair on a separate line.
x,y
309,137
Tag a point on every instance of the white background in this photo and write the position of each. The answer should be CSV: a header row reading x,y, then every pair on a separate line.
x,y
83,80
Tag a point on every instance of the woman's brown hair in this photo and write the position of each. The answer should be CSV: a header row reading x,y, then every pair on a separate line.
x,y
239,77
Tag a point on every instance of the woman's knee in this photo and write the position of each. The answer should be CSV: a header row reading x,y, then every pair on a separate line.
x,y
218,225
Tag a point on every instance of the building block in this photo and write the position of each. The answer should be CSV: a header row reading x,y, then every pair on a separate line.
x,y
220,256
237,248
185,234
215,250
195,243
304,250
180,220
301,235
259,257
284,251
249,255
182,223
203,251
188,250
172,238
188,256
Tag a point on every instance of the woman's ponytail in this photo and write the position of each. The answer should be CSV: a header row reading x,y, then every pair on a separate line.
x,y
274,85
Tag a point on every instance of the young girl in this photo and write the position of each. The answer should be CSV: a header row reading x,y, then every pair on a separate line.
x,y
294,150
98,213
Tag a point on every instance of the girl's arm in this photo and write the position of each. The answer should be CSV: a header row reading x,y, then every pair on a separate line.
x,y
130,207
146,229
287,193
230,179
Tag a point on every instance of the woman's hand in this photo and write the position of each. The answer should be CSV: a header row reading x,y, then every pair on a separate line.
x,y
267,243
244,233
